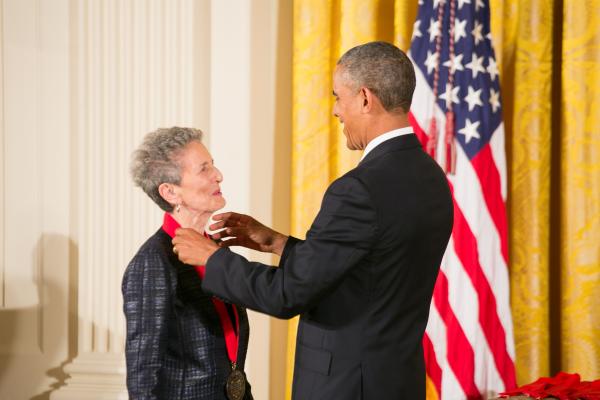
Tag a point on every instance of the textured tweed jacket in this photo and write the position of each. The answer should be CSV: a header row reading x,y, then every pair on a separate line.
x,y
175,348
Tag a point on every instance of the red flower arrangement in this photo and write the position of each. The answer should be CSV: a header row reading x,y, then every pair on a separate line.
x,y
562,386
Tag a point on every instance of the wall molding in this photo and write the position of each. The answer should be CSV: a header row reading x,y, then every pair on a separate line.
x,y
2,150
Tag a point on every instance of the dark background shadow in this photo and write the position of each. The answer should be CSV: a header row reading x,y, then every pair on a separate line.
x,y
67,302
32,357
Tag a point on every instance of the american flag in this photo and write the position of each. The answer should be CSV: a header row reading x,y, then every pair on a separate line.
x,y
468,343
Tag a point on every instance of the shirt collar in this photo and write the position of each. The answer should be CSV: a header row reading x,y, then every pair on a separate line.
x,y
407,130
170,225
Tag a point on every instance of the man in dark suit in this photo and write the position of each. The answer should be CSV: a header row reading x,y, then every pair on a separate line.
x,y
363,278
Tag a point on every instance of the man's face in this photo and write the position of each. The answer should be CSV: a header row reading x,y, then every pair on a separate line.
x,y
347,108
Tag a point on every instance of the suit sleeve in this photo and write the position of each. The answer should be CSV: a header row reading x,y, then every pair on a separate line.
x,y
341,235
146,305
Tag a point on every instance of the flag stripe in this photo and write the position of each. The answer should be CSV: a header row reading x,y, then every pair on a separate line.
x,y
484,166
464,300
472,204
461,357
433,368
465,246
423,138
499,157
436,331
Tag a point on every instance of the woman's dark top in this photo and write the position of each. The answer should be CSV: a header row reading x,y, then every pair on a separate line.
x,y
175,347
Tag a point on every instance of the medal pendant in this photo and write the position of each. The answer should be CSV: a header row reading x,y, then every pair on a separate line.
x,y
235,387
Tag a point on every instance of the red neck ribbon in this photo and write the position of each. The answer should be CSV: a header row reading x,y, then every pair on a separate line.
x,y
231,335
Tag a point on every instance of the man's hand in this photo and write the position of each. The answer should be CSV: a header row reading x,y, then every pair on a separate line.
x,y
243,230
192,247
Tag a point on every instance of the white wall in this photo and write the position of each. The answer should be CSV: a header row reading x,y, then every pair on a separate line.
x,y
35,243
81,82
250,95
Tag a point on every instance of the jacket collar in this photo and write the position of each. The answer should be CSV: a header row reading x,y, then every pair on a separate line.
x,y
403,142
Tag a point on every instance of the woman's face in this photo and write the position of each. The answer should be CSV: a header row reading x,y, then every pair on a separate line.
x,y
199,189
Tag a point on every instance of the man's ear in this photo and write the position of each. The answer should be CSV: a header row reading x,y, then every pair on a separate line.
x,y
168,191
367,98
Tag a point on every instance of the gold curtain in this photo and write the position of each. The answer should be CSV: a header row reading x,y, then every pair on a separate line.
x,y
579,179
524,47
549,52
551,104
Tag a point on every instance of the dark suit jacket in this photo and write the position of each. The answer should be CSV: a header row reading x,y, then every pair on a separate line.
x,y
363,278
175,347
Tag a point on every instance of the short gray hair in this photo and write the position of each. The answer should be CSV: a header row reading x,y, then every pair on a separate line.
x,y
385,70
155,161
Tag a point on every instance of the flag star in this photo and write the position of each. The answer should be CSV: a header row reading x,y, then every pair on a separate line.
x,y
460,30
437,2
463,2
450,95
455,64
492,68
477,35
473,98
470,130
434,30
416,31
479,3
495,99
476,65
432,61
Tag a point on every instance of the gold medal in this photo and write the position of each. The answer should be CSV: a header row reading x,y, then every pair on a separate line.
x,y
235,387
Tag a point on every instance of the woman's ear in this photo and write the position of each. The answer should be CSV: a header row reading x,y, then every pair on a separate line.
x,y
168,191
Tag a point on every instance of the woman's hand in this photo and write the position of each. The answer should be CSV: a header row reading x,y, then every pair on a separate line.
x,y
243,230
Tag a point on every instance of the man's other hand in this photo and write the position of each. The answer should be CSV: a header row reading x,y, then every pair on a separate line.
x,y
192,247
243,230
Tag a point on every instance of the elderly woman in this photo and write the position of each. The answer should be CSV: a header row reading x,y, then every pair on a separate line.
x,y
181,343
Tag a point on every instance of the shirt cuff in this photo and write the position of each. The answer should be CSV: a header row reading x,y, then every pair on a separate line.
x,y
289,246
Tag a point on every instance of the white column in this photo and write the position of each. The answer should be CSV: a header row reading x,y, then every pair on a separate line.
x,y
2,266
133,71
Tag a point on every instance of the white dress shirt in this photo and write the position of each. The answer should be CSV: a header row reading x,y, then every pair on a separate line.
x,y
386,136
